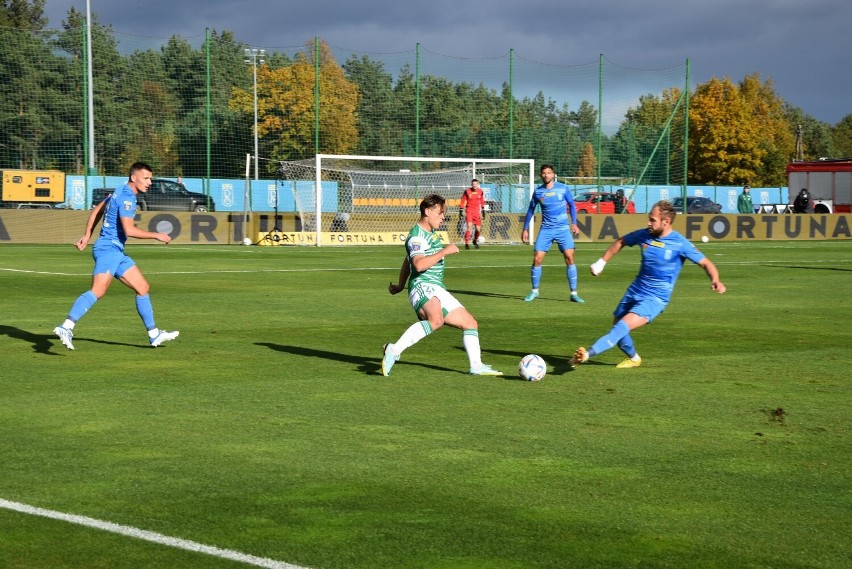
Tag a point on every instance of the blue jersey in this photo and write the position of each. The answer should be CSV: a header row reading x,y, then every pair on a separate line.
x,y
662,260
122,203
555,203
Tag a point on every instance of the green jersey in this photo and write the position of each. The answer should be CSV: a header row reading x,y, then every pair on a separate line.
x,y
422,242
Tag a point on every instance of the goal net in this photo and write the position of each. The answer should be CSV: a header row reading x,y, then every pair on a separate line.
x,y
375,199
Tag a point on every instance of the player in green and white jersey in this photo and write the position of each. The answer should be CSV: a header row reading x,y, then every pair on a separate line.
x,y
423,270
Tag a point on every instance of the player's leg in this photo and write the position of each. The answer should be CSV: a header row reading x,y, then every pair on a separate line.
x,y
633,359
629,315
428,308
542,245
459,317
619,330
106,263
467,225
566,245
132,277
476,221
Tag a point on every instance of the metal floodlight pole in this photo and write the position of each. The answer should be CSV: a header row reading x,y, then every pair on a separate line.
x,y
253,57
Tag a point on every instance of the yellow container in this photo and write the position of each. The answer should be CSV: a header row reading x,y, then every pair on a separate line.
x,y
33,186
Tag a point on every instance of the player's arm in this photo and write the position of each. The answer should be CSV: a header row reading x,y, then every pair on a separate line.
x,y
131,230
463,203
94,218
425,262
404,273
572,212
598,266
712,274
525,233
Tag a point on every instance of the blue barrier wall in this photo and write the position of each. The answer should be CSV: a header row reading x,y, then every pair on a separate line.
x,y
230,195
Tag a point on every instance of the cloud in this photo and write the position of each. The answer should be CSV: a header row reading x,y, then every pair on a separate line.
x,y
802,46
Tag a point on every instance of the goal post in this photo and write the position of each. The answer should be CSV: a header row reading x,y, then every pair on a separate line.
x,y
356,199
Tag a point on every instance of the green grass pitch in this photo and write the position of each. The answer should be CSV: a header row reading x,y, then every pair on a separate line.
x,y
266,428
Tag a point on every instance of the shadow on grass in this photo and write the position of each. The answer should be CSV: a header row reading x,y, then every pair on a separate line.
x,y
41,343
558,363
44,343
808,268
371,366
507,296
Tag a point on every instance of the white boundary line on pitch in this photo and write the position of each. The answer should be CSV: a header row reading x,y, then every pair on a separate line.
x,y
555,263
148,536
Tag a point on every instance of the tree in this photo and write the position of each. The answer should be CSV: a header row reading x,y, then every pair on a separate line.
x,y
35,97
842,136
724,145
775,134
816,136
588,162
286,108
379,134
23,15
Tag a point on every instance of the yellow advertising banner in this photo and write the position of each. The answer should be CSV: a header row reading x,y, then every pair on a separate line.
x,y
221,228
328,238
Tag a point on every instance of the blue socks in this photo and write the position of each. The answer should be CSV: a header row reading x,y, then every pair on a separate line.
x,y
616,335
82,305
535,276
571,273
146,311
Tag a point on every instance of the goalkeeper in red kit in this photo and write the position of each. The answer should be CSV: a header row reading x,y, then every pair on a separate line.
x,y
472,203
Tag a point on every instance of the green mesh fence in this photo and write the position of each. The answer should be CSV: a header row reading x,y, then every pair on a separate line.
x,y
187,106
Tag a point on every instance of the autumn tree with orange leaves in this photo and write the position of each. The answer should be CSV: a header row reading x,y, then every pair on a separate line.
x,y
286,106
738,134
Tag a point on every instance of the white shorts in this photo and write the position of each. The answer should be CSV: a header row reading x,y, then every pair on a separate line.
x,y
423,292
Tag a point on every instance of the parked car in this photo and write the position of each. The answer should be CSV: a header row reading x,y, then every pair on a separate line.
x,y
696,205
163,195
601,202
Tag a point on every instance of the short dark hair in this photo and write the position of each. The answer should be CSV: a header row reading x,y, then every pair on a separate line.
x,y
431,201
545,167
666,209
136,166
474,180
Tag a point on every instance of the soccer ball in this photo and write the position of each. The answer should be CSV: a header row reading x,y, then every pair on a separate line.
x,y
532,368
480,239
246,241
705,239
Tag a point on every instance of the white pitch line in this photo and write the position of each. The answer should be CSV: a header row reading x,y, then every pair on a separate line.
x,y
149,536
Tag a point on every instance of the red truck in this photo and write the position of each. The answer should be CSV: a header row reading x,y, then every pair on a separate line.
x,y
829,181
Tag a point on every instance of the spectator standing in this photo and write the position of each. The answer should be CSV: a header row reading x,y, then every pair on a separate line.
x,y
744,202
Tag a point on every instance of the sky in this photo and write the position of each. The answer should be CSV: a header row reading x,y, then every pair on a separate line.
x,y
802,46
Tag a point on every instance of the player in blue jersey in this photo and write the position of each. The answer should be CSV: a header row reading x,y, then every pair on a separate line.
x,y
664,252
118,212
423,270
556,201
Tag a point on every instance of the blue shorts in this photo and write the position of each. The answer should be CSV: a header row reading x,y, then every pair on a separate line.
x,y
562,236
111,259
647,307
